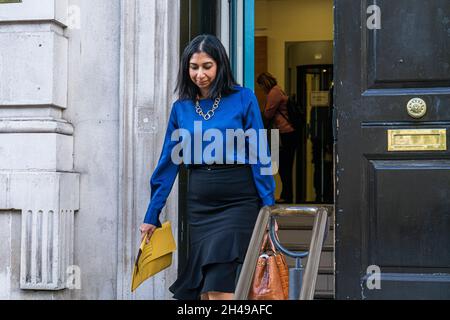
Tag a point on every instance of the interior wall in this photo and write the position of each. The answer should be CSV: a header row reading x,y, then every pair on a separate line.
x,y
288,21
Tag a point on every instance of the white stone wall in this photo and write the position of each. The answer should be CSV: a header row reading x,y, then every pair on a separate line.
x,y
39,188
93,99
85,93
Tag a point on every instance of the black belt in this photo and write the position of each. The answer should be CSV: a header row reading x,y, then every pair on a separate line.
x,y
216,166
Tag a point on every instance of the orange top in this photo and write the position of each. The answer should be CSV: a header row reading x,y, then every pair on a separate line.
x,y
276,103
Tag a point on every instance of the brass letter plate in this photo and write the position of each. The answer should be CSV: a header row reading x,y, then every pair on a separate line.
x,y
417,140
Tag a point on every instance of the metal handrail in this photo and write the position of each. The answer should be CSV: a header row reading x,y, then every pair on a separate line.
x,y
279,246
319,231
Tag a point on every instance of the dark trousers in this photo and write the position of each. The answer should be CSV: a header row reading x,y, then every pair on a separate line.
x,y
289,142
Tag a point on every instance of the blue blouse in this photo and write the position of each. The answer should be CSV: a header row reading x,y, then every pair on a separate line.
x,y
196,137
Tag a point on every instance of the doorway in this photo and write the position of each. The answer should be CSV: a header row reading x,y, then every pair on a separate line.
x,y
314,163
294,43
301,59
298,61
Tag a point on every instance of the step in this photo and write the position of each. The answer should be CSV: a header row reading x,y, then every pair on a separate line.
x,y
288,237
326,260
324,295
303,247
298,226
299,222
326,270
322,270
324,286
292,222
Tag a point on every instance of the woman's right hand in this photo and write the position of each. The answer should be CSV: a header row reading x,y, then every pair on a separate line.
x,y
146,231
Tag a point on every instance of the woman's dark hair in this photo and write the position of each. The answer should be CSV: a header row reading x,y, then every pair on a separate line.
x,y
224,81
266,81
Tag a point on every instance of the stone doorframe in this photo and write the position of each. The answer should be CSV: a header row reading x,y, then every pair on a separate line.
x,y
149,60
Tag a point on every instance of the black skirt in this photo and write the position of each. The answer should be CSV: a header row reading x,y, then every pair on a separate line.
x,y
222,208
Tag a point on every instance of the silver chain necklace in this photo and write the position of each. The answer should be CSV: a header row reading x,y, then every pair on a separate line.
x,y
210,113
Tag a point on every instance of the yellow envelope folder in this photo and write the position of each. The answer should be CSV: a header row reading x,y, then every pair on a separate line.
x,y
154,256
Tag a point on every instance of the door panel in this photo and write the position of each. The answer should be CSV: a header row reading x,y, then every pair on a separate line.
x,y
410,31
408,238
392,207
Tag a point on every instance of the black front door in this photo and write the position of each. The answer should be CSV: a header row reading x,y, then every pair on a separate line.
x,y
392,166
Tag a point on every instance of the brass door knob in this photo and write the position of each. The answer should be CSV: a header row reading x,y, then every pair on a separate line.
x,y
416,108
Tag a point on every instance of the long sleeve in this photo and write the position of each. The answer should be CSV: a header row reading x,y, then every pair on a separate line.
x,y
164,175
265,183
274,99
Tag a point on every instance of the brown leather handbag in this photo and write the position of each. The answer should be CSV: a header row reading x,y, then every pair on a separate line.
x,y
271,278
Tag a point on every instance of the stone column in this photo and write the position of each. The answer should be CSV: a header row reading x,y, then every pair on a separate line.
x,y
36,147
149,66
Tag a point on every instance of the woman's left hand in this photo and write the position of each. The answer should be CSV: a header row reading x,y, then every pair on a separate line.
x,y
147,230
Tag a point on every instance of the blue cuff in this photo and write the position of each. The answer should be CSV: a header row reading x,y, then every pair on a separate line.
x,y
152,217
268,200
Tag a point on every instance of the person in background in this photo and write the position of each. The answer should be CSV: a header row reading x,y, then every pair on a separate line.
x,y
276,112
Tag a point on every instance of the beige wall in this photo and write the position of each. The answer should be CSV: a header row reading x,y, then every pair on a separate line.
x,y
291,20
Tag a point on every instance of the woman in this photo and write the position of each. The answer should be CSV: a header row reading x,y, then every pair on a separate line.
x,y
276,111
223,200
